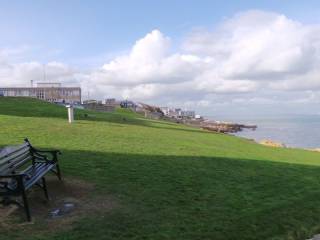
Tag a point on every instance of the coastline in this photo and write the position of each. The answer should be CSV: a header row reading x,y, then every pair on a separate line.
x,y
287,131
294,131
277,144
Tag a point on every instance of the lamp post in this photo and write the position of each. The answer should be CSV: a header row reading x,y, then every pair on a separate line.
x,y
70,113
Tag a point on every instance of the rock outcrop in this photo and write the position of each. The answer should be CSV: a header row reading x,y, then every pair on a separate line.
x,y
271,143
224,127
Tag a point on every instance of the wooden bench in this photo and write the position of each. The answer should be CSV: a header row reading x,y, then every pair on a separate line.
x,y
22,167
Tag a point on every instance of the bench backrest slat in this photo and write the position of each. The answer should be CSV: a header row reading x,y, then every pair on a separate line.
x,y
15,159
15,165
16,149
16,154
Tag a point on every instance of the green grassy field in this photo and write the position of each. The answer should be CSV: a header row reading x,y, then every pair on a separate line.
x,y
171,181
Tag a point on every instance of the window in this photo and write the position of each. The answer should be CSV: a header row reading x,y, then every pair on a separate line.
x,y
40,94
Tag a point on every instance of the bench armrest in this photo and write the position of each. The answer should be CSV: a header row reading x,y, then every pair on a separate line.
x,y
43,157
48,151
53,152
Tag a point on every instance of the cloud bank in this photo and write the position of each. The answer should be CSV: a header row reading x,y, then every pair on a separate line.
x,y
254,57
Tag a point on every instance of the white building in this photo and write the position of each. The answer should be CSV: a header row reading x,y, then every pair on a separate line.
x,y
51,92
165,110
190,114
177,112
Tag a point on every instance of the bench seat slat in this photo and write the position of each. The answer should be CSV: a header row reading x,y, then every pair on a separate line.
x,y
36,173
33,175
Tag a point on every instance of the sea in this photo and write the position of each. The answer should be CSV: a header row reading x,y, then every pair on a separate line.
x,y
300,131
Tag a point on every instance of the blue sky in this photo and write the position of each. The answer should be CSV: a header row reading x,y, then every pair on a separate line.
x,y
239,55
84,29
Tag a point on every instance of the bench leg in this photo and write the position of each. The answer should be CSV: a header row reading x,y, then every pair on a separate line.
x,y
44,186
26,205
58,172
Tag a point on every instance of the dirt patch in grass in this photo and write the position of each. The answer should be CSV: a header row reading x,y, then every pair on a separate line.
x,y
70,200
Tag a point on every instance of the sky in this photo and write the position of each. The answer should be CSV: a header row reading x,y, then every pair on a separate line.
x,y
242,58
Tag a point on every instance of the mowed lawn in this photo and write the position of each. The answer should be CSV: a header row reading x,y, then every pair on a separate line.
x,y
170,181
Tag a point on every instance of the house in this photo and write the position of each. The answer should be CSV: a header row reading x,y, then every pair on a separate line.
x,y
177,113
127,104
166,110
97,106
90,101
112,102
188,114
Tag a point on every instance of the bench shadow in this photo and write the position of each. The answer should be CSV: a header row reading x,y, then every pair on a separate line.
x,y
195,197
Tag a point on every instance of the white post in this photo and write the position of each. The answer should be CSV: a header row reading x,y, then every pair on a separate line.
x,y
70,113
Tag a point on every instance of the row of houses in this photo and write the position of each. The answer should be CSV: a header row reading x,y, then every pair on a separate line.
x,y
108,105
56,93
179,113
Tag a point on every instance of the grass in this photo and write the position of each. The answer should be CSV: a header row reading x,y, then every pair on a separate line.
x,y
171,181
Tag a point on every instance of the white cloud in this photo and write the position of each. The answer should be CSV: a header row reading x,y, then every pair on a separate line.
x,y
251,51
258,46
148,62
20,74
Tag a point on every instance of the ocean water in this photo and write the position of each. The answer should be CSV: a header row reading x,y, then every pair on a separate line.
x,y
302,131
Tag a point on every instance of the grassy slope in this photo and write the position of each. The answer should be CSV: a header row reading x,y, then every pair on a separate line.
x,y
172,182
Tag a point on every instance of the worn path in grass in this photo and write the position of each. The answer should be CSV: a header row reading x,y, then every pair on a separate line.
x,y
171,181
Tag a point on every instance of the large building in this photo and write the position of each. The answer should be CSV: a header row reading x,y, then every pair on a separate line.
x,y
52,92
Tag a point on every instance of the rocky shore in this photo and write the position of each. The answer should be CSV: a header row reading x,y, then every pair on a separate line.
x,y
209,125
155,112
271,143
225,127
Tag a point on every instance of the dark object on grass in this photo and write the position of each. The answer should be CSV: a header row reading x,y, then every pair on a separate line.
x,y
21,168
65,209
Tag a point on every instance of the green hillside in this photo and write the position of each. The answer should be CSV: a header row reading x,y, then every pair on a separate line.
x,y
170,181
